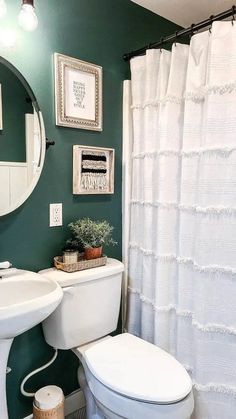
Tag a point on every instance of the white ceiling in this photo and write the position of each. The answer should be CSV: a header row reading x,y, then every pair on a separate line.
x,y
186,12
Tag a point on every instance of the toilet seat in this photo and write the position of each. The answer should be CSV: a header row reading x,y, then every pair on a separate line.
x,y
138,370
115,405
124,407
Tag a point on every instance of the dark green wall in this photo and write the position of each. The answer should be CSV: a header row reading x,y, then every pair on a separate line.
x,y
14,107
98,31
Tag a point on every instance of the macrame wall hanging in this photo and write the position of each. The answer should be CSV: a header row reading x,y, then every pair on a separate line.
x,y
93,170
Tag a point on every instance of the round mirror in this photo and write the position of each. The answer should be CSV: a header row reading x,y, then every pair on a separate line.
x,y
22,139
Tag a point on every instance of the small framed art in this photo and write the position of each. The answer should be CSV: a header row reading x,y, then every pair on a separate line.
x,y
93,170
78,93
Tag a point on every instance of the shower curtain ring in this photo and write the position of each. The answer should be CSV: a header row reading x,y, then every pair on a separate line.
x,y
233,13
176,36
191,30
162,41
211,20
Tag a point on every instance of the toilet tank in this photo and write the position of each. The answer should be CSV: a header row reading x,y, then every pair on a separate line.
x,y
89,308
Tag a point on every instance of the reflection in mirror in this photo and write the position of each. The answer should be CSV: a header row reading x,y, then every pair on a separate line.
x,y
22,139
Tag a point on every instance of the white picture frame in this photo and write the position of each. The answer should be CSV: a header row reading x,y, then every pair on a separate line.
x,y
78,93
93,170
1,120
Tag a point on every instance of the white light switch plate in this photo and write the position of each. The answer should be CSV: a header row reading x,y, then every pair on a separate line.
x,y
55,215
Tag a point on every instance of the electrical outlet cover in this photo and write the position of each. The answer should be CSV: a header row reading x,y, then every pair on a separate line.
x,y
55,215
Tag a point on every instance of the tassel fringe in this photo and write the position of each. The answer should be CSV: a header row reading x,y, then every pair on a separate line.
x,y
211,210
155,153
205,328
215,388
222,89
94,181
208,151
195,96
212,269
155,103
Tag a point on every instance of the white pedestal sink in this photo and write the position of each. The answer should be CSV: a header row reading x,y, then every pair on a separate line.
x,y
26,299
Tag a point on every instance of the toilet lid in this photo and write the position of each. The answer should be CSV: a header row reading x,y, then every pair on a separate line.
x,y
138,369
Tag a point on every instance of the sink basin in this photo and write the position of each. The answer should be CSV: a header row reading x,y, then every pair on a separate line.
x,y
26,299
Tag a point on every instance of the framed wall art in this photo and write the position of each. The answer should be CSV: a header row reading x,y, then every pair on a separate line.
x,y
93,170
78,93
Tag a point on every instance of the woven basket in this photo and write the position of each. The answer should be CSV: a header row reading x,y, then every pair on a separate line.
x,y
56,413
80,265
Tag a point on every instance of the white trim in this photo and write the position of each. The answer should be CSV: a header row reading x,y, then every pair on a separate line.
x,y
126,188
74,402
12,164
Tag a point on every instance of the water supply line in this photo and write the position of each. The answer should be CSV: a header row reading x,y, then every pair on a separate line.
x,y
26,393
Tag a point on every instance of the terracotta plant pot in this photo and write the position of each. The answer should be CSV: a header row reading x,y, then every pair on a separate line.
x,y
93,252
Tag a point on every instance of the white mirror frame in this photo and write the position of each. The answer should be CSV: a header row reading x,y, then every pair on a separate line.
x,y
34,182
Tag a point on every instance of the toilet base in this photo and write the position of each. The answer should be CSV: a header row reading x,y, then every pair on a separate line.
x,y
92,409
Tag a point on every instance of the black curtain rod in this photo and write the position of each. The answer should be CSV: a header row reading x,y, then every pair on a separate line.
x,y
183,32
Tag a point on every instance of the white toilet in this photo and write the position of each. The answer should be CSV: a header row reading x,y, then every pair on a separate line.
x,y
122,376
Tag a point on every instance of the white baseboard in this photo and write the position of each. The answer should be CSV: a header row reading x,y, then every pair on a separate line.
x,y
73,402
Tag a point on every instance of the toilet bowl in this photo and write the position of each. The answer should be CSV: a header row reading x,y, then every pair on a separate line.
x,y
121,376
126,377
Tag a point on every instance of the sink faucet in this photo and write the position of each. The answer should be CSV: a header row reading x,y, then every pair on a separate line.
x,y
5,265
6,270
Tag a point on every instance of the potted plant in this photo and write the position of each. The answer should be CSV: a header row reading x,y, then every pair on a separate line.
x,y
93,235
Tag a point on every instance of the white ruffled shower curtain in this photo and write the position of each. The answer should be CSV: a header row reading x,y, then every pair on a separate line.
x,y
180,250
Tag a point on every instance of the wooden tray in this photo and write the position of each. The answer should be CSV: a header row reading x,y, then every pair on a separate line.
x,y
80,265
